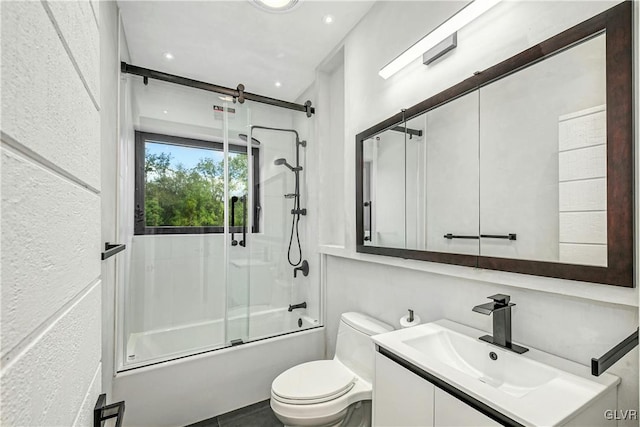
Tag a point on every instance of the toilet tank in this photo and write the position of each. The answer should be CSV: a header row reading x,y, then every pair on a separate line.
x,y
354,347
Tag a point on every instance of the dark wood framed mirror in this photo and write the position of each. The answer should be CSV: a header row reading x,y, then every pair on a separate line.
x,y
570,216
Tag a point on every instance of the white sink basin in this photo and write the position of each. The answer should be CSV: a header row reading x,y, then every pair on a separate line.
x,y
517,385
509,373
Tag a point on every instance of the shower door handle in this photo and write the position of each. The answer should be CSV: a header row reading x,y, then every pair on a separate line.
x,y
369,205
243,242
234,242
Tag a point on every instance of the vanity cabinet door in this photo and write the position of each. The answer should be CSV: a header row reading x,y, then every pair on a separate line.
x,y
450,411
400,397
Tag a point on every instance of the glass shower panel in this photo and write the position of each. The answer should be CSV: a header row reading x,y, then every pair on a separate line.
x,y
175,287
280,243
240,194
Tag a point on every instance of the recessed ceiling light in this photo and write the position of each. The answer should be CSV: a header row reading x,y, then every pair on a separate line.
x,y
275,5
327,19
165,111
168,56
278,84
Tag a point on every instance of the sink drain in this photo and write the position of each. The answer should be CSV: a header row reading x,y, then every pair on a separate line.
x,y
493,356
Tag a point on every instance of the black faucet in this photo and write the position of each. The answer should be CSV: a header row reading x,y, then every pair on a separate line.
x,y
294,306
304,267
501,309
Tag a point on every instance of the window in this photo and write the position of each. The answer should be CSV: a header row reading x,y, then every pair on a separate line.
x,y
180,185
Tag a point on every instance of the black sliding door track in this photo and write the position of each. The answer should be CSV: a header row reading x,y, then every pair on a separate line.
x,y
237,94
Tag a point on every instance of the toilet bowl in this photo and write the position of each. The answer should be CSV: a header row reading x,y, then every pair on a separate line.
x,y
332,392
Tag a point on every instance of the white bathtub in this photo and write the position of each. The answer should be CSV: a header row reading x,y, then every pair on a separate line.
x,y
160,345
186,390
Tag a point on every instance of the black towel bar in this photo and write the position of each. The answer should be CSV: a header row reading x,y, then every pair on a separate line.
x,y
110,249
453,236
599,366
510,236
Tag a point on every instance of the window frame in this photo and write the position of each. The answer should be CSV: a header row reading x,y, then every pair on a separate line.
x,y
140,227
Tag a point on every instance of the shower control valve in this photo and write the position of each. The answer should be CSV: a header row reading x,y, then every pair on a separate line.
x,y
304,268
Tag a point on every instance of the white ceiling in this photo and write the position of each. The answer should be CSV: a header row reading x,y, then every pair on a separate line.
x,y
232,42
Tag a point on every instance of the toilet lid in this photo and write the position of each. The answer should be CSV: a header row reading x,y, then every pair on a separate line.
x,y
317,381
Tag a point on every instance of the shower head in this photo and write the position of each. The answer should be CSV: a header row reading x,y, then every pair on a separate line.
x,y
280,162
243,136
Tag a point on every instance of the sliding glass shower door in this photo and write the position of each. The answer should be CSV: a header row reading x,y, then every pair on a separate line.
x,y
205,208
183,212
237,173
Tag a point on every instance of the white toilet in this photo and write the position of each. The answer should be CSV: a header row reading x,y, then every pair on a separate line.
x,y
332,392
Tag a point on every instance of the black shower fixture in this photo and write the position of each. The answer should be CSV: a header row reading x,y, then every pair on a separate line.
x,y
296,211
279,162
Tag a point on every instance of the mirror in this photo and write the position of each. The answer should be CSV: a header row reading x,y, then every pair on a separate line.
x,y
524,167
384,187
543,160
452,198
420,181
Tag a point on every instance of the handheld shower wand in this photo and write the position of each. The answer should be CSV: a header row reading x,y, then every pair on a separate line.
x,y
296,211
279,162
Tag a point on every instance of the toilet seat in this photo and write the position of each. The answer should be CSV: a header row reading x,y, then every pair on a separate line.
x,y
313,382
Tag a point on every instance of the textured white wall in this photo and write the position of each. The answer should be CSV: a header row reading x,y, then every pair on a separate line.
x,y
561,317
51,287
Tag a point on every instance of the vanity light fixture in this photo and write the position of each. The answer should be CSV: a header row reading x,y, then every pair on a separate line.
x,y
440,49
442,32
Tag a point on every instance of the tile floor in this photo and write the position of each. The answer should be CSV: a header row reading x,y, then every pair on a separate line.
x,y
256,415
